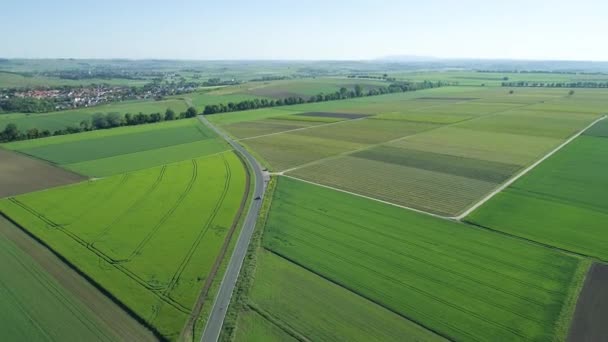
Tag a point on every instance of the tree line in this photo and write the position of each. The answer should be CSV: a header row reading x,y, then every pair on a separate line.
x,y
343,93
98,121
579,84
26,105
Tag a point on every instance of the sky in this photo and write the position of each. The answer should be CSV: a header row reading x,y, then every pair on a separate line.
x,y
304,30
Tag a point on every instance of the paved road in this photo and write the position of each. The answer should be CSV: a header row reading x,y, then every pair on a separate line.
x,y
218,312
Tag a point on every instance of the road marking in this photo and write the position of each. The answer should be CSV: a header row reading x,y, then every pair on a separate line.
x,y
525,171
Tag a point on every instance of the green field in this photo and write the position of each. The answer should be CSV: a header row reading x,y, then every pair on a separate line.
x,y
562,202
307,87
107,152
13,80
488,133
150,238
474,285
34,307
308,305
62,119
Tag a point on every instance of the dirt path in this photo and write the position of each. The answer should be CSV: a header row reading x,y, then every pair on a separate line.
x,y
590,321
525,171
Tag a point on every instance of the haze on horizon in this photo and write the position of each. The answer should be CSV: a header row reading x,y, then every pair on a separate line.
x,y
311,30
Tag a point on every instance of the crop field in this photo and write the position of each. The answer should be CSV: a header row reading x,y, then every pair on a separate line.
x,y
256,128
200,99
34,307
474,285
307,87
304,304
437,183
486,129
473,78
20,174
107,152
14,80
61,119
149,238
562,202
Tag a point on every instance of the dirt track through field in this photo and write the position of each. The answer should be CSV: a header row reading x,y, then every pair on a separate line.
x,y
124,326
589,321
20,174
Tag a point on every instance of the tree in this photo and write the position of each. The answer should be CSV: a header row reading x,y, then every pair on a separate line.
x,y
571,92
169,114
85,125
191,112
99,121
114,119
358,90
511,91
343,92
11,132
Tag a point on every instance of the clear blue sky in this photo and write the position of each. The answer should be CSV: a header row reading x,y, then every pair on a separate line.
x,y
328,29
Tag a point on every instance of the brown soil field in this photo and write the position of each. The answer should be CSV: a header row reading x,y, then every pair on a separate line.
x,y
124,326
333,115
589,321
21,174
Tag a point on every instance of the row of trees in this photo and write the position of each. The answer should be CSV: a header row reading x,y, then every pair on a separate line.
x,y
343,93
97,121
580,84
26,105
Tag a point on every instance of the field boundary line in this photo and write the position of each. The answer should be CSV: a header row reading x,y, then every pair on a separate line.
x,y
358,294
369,116
525,171
301,128
367,197
88,278
439,126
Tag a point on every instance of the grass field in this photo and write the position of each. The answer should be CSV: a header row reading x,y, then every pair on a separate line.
x,y
307,87
448,147
62,119
35,307
562,202
12,80
150,238
308,305
461,282
107,152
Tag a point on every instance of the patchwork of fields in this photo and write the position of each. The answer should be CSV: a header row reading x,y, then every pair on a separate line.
x,y
150,238
108,152
562,202
438,150
398,267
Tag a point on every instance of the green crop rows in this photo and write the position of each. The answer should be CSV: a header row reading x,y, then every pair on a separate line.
x,y
34,307
148,237
293,297
461,282
109,152
563,202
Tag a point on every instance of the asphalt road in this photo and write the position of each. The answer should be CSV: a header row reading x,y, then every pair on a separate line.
x,y
218,312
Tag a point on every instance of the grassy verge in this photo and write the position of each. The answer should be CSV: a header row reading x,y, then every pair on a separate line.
x,y
201,321
246,277
578,280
